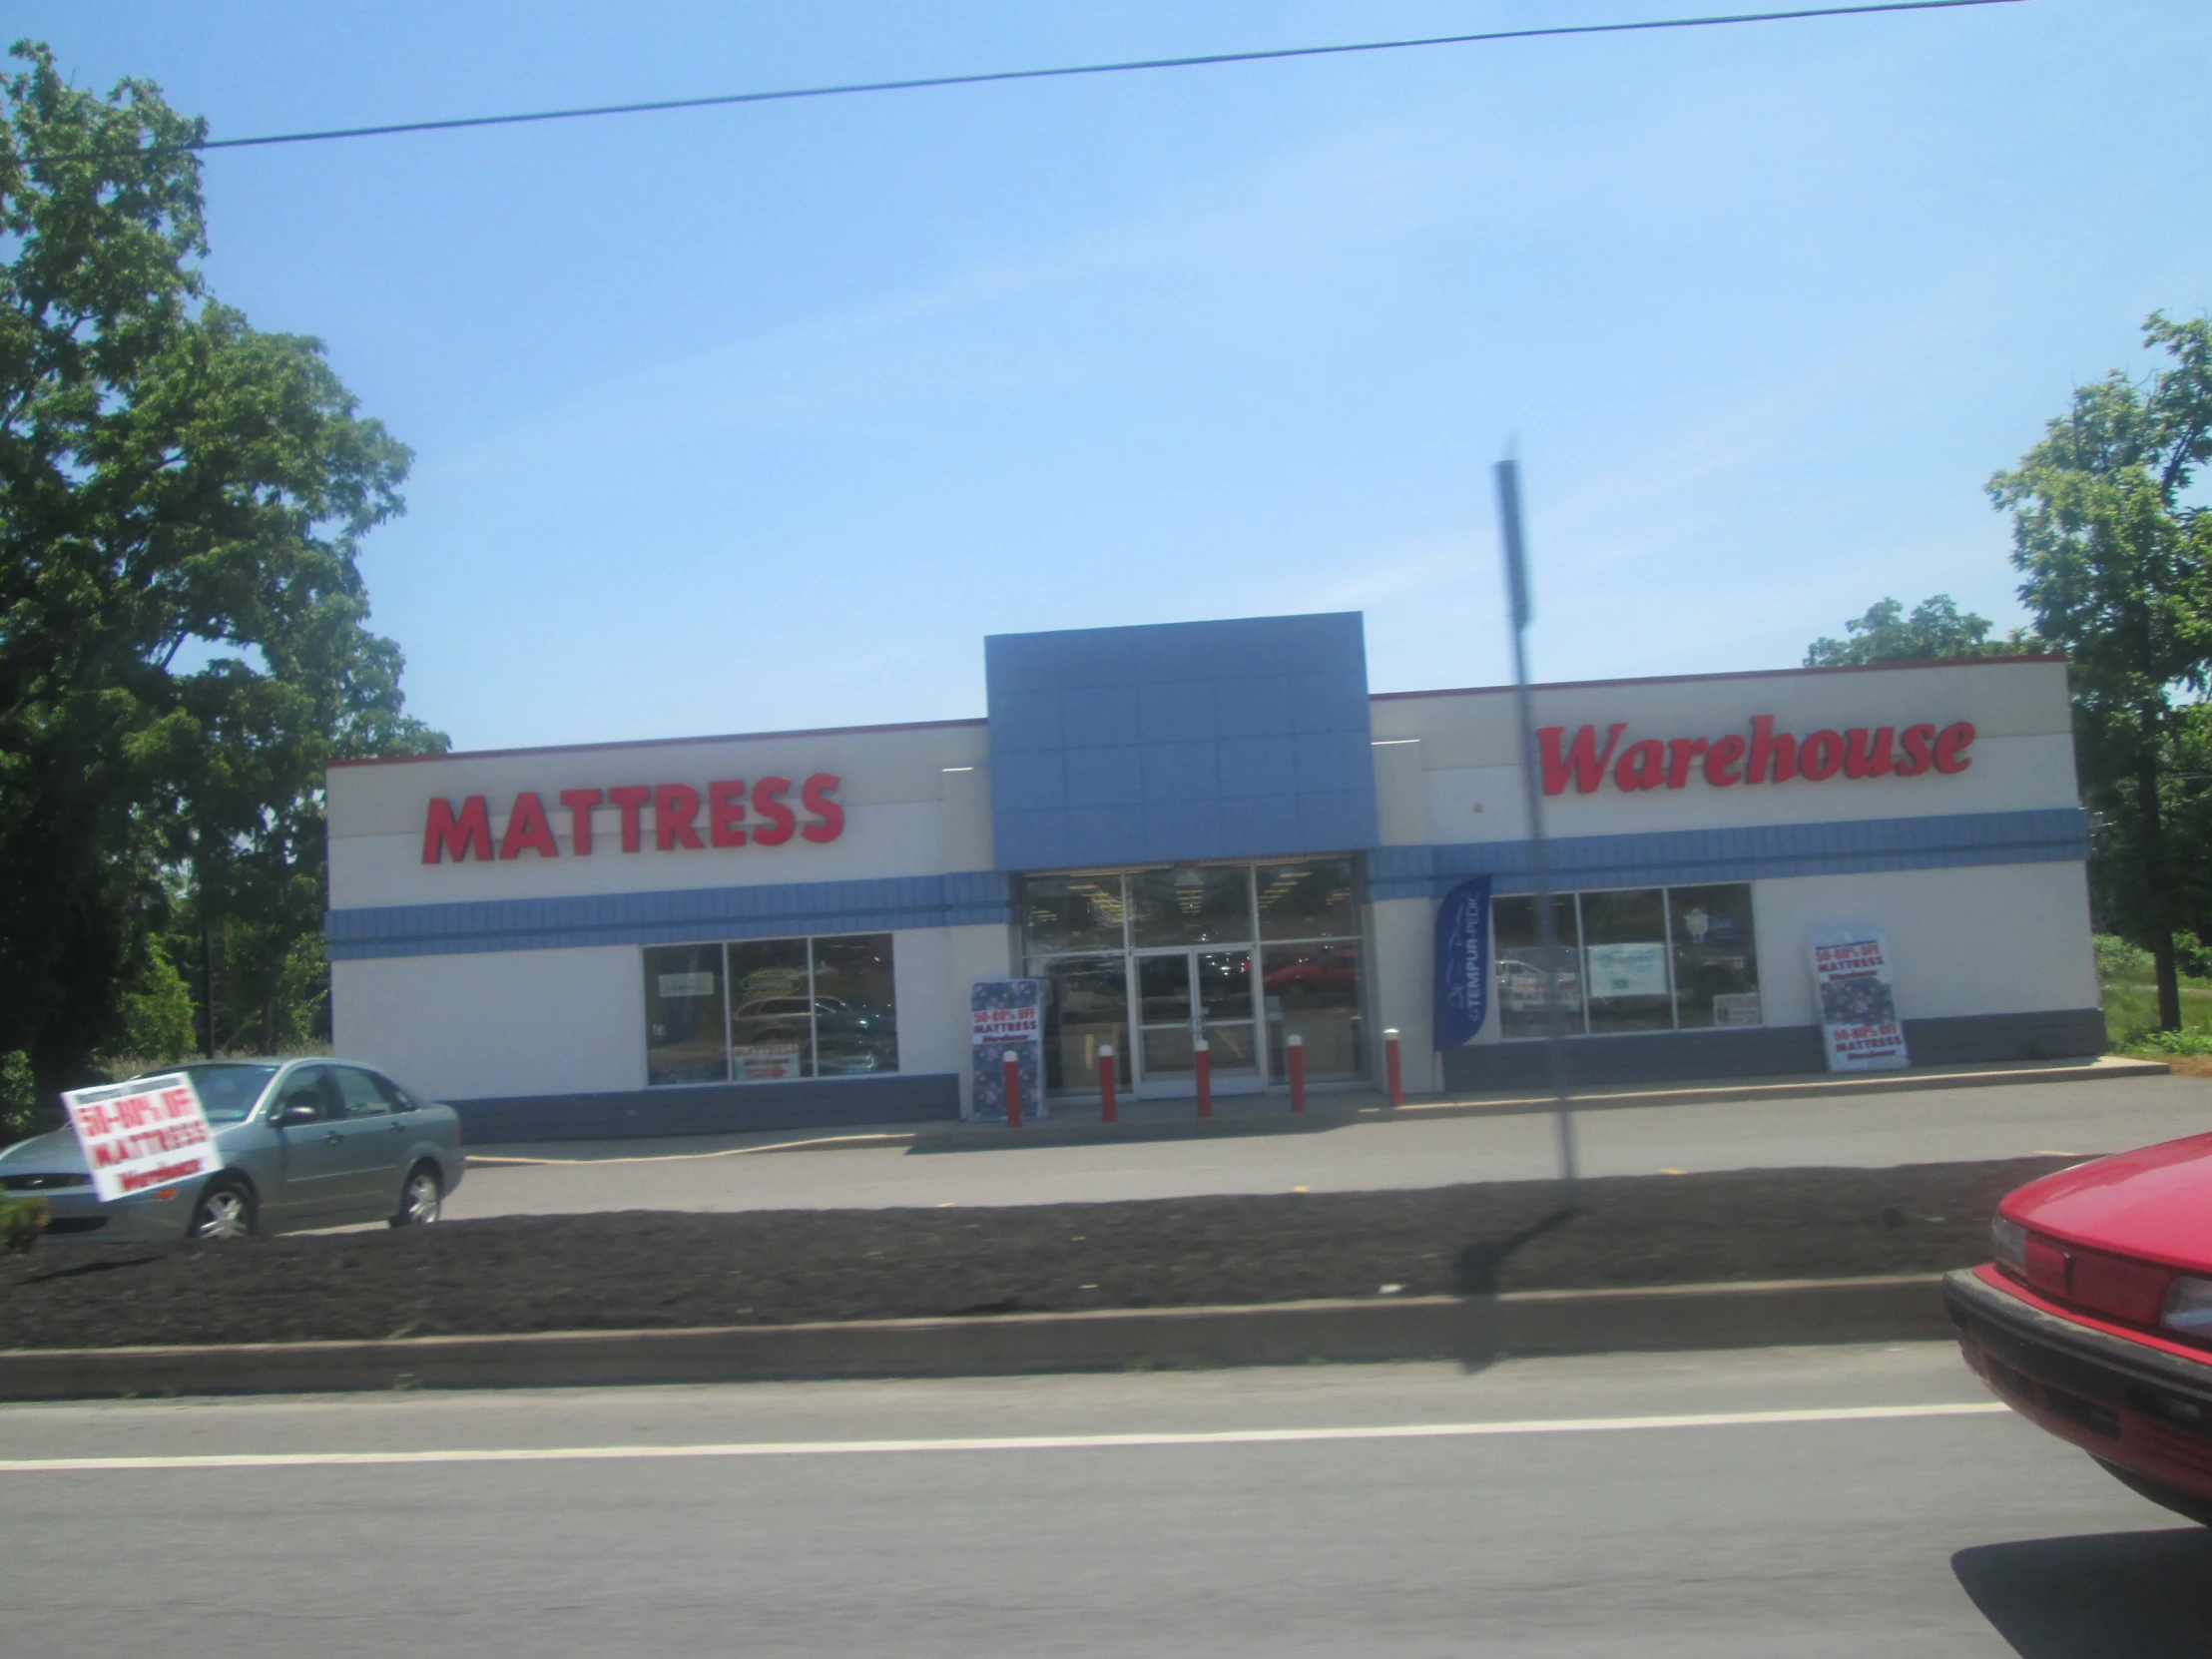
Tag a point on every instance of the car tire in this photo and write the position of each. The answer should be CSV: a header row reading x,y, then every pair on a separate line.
x,y
421,1197
2168,1497
224,1209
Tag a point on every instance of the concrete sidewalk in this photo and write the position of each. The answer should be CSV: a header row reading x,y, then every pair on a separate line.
x,y
2038,1111
1247,1114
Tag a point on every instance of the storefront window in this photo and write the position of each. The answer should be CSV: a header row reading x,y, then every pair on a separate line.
x,y
1649,958
1716,970
1072,912
1521,964
1246,956
685,1039
1086,1007
855,1014
1624,960
770,1011
1313,992
1191,904
1311,900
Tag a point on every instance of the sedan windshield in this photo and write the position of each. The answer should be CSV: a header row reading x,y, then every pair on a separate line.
x,y
227,1092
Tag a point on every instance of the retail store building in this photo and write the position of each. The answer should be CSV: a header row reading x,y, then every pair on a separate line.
x,y
1206,830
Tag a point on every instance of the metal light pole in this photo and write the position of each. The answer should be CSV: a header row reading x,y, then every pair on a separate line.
x,y
1508,473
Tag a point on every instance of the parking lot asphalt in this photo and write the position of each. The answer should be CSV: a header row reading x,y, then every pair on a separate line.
x,y
1835,1501
1865,1131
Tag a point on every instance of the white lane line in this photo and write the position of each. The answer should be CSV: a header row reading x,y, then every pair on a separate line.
x,y
1014,1442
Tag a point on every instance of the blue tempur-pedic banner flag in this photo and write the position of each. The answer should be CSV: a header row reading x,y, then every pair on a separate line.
x,y
1463,962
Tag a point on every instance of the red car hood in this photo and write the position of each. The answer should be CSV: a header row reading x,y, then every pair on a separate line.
x,y
2154,1204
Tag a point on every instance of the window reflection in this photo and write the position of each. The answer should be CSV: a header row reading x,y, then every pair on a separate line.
x,y
1072,912
855,1013
1087,1009
771,1008
1311,992
684,1041
1625,960
1191,904
1521,964
1715,965
1649,959
1310,900
770,1011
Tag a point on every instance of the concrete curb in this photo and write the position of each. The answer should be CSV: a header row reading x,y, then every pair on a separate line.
x,y
1234,1118
989,1137
1471,1330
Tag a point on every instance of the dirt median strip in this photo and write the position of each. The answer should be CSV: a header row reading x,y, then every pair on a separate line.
x,y
1470,1329
629,1271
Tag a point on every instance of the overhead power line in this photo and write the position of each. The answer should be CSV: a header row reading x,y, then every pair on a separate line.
x,y
1063,71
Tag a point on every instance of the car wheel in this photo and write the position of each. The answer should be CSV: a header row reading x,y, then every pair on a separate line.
x,y
225,1210
422,1199
2169,1498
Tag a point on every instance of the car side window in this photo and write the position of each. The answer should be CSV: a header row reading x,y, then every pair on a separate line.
x,y
402,1101
309,1087
363,1099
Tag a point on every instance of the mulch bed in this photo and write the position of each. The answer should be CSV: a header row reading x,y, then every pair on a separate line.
x,y
654,1268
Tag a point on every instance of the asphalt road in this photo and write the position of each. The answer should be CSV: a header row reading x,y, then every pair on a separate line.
x,y
1866,1131
1920,1533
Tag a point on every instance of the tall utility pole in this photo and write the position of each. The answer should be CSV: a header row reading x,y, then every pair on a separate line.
x,y
1508,473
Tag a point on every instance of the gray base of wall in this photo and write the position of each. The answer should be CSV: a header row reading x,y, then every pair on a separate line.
x,y
1680,1056
710,1109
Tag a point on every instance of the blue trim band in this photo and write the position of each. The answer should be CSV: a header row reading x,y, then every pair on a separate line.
x,y
1856,846
969,899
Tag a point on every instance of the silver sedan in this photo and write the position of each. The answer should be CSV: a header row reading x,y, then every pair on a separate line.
x,y
304,1143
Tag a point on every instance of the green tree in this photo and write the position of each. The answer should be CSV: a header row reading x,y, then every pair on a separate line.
x,y
182,638
1937,629
2119,574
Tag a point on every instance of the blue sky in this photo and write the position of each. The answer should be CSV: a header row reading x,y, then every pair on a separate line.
x,y
754,418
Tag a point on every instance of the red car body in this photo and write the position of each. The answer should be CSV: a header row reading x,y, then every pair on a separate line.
x,y
2097,1327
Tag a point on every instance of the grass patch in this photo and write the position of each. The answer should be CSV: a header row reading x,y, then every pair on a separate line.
x,y
2129,997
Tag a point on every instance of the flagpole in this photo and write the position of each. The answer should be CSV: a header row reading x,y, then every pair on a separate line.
x,y
1507,476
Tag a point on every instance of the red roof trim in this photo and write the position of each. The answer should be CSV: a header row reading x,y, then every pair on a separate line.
x,y
1746,674
655,743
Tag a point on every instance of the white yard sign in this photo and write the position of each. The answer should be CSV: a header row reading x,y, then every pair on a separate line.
x,y
1858,1011
144,1134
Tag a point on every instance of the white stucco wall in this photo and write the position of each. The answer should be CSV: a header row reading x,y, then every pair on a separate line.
x,y
496,1023
1990,940
1401,933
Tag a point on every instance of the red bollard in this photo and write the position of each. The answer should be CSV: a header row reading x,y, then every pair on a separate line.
x,y
1204,1056
1013,1088
1392,1072
1105,1082
1297,1047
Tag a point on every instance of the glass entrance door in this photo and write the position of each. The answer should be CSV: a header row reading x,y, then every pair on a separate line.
x,y
1183,996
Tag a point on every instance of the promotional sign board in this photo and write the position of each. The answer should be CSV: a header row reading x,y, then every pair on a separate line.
x,y
1006,1014
1858,1009
144,1134
1463,962
1628,969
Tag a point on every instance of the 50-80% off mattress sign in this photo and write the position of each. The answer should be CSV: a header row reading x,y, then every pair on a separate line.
x,y
150,1132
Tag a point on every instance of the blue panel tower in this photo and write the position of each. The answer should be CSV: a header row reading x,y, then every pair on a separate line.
x,y
1182,740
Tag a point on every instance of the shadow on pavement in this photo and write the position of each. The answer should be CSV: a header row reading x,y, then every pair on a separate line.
x,y
2145,1595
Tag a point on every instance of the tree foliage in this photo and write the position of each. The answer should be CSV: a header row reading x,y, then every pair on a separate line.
x,y
1936,629
183,622
2117,567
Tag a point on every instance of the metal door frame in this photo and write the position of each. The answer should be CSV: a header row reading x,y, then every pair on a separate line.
x,y
1184,1085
